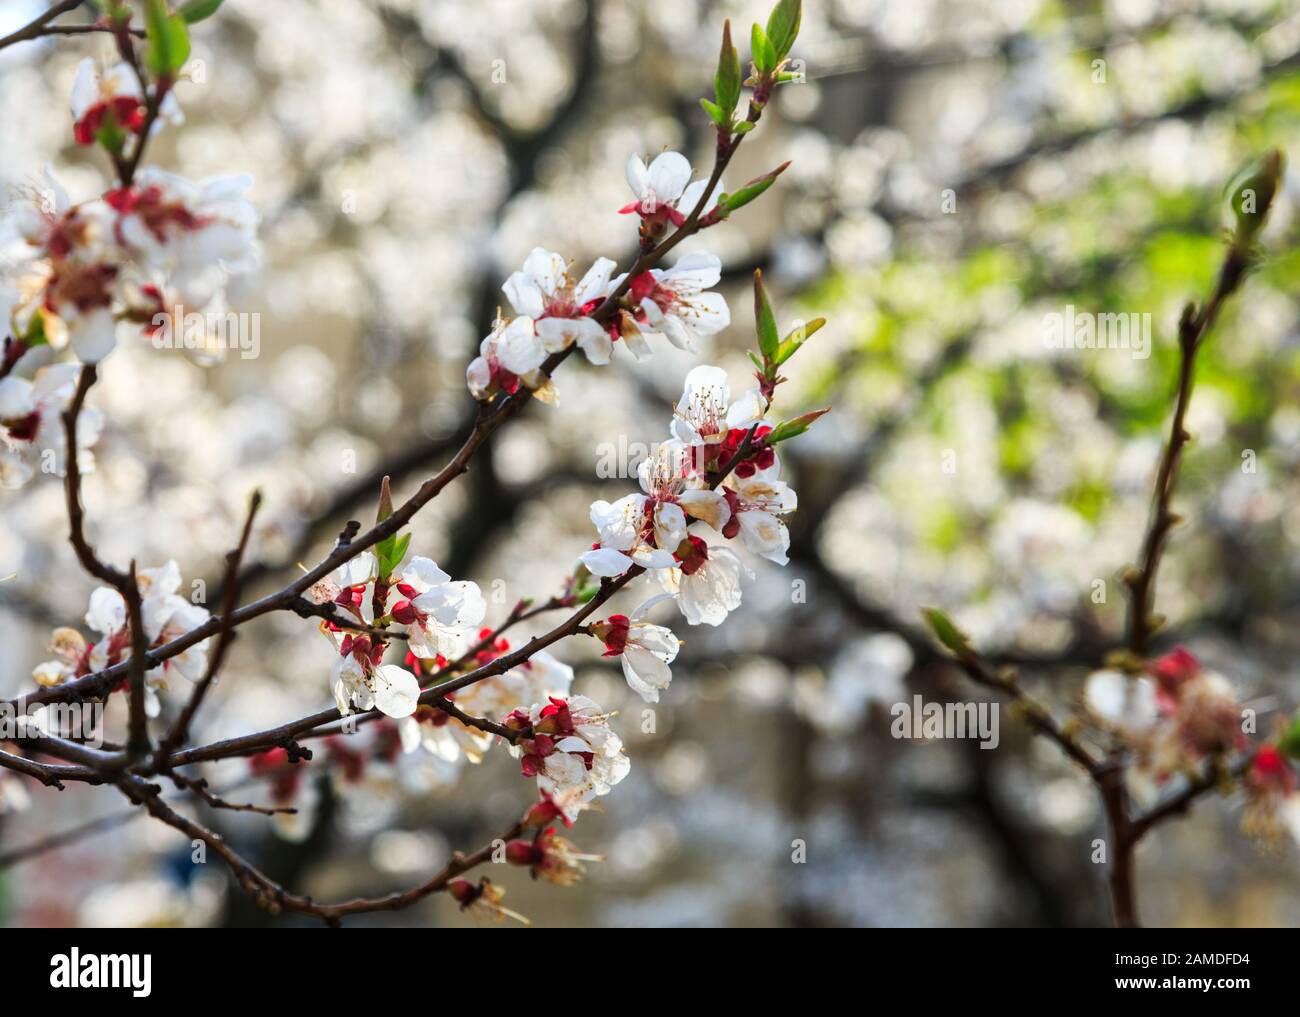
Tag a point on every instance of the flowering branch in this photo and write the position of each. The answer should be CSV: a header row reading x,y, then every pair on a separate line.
x,y
1166,716
719,467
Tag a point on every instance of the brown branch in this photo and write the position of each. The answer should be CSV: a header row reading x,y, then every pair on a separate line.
x,y
49,774
137,743
1193,327
72,488
199,787
276,898
39,26
1038,716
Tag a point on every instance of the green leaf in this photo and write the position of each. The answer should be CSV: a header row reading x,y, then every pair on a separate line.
x,y
390,551
797,338
744,127
726,81
715,113
783,27
946,632
748,192
1289,743
794,426
768,339
762,53
1251,193
169,39
194,11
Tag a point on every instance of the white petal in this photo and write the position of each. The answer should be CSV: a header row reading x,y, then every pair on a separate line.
x,y
765,535
85,88
423,574
605,561
646,674
595,283
746,410
396,690
691,197
17,398
93,336
667,176
636,174
697,271
547,268
518,348
670,525
107,611
524,295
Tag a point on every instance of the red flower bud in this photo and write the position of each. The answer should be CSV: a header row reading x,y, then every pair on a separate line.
x,y
404,613
523,852
464,892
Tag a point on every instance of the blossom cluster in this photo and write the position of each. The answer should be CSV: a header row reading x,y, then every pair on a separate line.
x,y
81,275
554,311
1178,717
165,615
717,468
31,431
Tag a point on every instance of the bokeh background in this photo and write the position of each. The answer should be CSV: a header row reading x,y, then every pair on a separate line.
x,y
960,170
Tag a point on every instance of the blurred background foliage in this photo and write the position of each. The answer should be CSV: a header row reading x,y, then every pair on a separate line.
x,y
961,170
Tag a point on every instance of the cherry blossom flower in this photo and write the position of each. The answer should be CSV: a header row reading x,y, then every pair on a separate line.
x,y
707,585
197,234
358,679
509,356
570,749
565,806
70,658
1176,718
482,899
165,616
550,857
441,734
1272,801
664,190
630,529
559,307
646,650
676,303
705,414
757,503
347,586
31,430
440,613
70,280
671,476
111,98
645,529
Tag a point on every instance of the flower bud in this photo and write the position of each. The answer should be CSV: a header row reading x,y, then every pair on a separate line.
x,y
404,613
463,892
522,852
